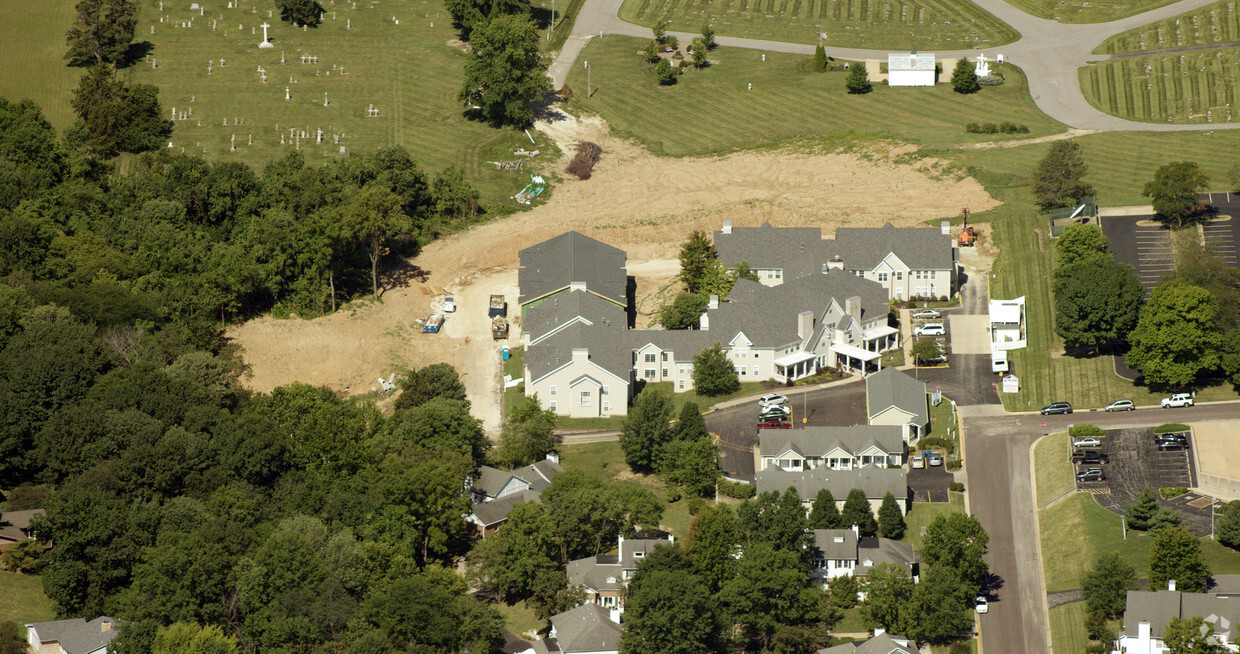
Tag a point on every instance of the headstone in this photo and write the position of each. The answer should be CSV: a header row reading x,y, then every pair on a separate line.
x,y
154,63
266,43
324,98
174,113
287,97
152,29
281,56
251,140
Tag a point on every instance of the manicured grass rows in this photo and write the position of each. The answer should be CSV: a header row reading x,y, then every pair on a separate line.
x,y
32,47
711,111
1216,23
1054,473
847,23
1087,11
1194,87
1068,634
408,71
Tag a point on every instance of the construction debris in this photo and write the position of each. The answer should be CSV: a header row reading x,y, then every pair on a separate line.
x,y
582,164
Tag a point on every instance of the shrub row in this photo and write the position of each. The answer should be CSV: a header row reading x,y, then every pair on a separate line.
x,y
1081,431
1170,428
1172,491
736,490
991,128
936,441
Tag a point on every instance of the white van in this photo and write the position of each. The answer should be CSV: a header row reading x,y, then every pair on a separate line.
x,y
999,362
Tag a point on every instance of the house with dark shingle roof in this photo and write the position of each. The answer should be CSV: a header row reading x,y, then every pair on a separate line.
x,y
605,576
1148,613
495,492
907,262
572,261
833,448
15,526
892,397
585,629
841,552
875,482
76,636
880,643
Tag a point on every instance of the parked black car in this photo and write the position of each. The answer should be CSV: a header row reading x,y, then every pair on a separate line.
x,y
1092,457
1056,407
1091,474
1167,446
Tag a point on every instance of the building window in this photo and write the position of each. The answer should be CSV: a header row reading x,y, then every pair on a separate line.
x,y
680,384
649,373
667,373
606,407
778,274
899,275
606,391
681,367
650,358
882,276
665,356
742,370
552,407
755,371
586,399
553,390
770,274
933,275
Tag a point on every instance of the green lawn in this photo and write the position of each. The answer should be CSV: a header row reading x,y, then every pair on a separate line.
x,y
408,71
931,24
1087,11
1212,24
1077,530
711,110
22,599
679,400
1053,471
923,513
946,649
1189,87
519,618
1068,629
33,51
850,623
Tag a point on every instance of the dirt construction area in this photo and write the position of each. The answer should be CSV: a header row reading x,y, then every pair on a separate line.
x,y
643,204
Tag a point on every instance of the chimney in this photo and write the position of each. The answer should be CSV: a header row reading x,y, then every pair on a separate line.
x,y
852,306
856,531
620,546
835,263
945,227
805,324
713,303
727,227
581,354
553,457
576,286
1143,636
878,631
105,626
704,322
1171,585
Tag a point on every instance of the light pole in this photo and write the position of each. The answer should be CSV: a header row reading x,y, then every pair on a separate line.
x,y
551,27
587,64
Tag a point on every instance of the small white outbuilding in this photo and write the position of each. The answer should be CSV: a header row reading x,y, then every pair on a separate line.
x,y
910,69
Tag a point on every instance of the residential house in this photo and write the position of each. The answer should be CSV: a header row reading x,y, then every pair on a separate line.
x,y
907,262
911,69
1149,612
605,576
495,492
572,261
892,397
876,482
880,643
562,310
15,526
585,629
840,552
583,371
832,448
76,636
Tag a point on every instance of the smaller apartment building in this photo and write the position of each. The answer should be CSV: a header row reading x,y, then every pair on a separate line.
x,y
606,576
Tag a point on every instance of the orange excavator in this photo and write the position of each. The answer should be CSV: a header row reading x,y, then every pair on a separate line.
x,y
967,235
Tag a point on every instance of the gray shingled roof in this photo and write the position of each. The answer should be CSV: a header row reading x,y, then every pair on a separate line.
x,y
572,257
883,550
920,248
586,628
77,636
491,480
826,542
605,345
1159,607
594,571
876,482
13,524
496,511
561,308
891,387
770,247
768,314
817,441
880,644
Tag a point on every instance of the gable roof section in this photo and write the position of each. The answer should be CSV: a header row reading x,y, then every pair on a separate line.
x,y
879,644
876,482
563,308
572,257
1159,607
788,248
877,551
77,636
586,629
845,549
13,524
607,352
910,61
768,314
491,513
819,441
920,248
491,480
890,387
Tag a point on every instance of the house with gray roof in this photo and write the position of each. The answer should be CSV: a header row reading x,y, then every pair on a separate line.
x,y
830,447
15,526
495,492
76,636
605,576
572,261
1148,613
893,397
907,262
880,643
582,371
563,310
586,628
874,481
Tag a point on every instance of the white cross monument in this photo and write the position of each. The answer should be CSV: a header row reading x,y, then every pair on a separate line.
x,y
265,43
983,67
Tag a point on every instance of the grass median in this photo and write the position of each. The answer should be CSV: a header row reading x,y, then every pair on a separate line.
x,y
1087,11
1053,472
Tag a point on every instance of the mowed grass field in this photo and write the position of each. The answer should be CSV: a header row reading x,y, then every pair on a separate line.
x,y
1068,635
408,71
1212,24
936,24
712,110
1188,87
1054,473
1087,11
22,599
32,47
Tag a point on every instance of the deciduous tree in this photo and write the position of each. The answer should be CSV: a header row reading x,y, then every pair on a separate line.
x,y
843,590
1059,180
940,606
375,217
1176,555
468,15
663,73
193,638
964,78
713,373
429,382
300,12
1107,584
1080,243
669,613
684,312
708,35
116,117
660,29
505,72
888,590
926,350
770,590
1174,189
1174,339
1097,302
1191,636
957,542
102,32
857,511
712,541
1227,527
527,435
646,430
509,561
1198,262
699,50
691,463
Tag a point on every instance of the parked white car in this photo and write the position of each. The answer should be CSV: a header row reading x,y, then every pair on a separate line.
x,y
918,462
930,329
772,399
775,409
449,305
1178,400
1088,441
926,314
981,604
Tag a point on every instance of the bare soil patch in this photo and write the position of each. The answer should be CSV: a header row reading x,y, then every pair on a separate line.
x,y
640,203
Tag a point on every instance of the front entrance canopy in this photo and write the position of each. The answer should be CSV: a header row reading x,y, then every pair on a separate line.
x,y
793,359
855,352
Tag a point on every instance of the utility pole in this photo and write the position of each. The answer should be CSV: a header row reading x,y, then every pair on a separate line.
x,y
587,79
551,27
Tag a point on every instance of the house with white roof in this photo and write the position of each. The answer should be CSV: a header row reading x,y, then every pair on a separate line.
x,y
910,69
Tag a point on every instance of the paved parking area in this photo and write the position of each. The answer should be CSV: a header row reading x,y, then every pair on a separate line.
x,y
1223,232
930,484
1146,247
1136,463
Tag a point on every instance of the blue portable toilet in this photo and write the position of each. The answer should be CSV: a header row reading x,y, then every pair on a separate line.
x,y
506,353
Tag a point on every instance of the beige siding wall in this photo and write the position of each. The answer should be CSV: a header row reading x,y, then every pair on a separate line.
x,y
554,392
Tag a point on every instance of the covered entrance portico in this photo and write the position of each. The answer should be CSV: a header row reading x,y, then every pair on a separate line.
x,y
856,359
792,367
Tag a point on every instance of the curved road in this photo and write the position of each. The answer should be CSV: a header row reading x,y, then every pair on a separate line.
x,y
1048,51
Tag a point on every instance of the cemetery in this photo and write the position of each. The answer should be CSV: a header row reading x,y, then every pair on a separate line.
x,y
1178,87
1214,24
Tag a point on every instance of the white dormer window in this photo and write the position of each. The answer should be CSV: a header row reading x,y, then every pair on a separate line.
x,y
838,539
638,555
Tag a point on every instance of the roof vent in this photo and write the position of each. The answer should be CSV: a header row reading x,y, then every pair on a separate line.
x,y
727,227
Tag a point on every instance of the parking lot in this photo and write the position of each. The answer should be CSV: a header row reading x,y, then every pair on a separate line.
x,y
1146,247
1135,464
930,484
943,340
